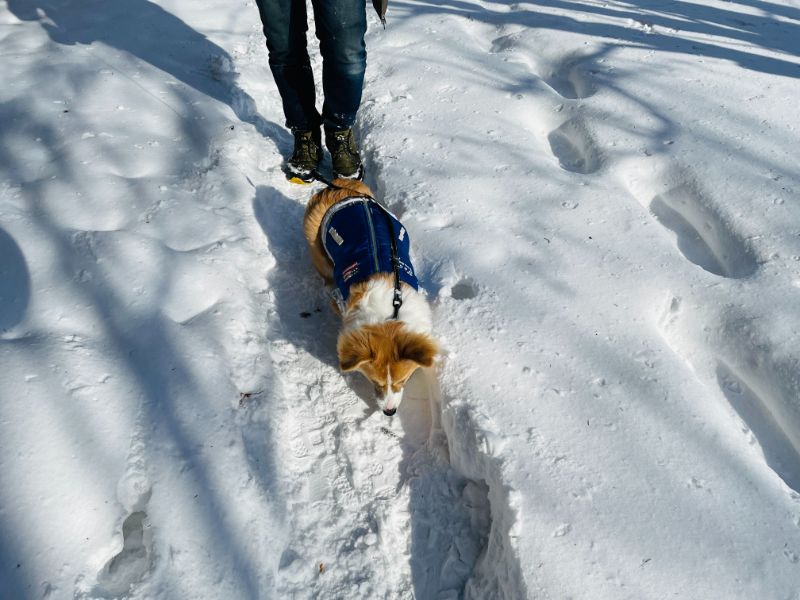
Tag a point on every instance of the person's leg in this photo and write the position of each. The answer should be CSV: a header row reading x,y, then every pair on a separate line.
x,y
285,24
340,27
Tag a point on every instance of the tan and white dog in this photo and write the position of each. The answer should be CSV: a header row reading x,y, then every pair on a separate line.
x,y
386,321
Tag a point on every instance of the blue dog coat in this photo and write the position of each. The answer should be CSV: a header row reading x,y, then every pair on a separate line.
x,y
356,236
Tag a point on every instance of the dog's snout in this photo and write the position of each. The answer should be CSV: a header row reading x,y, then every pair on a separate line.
x,y
389,411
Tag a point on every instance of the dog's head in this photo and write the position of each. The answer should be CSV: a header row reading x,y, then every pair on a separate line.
x,y
387,354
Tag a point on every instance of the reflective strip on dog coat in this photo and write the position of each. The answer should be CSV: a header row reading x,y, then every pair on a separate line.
x,y
355,235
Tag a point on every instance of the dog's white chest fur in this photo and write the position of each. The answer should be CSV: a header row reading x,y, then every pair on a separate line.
x,y
375,306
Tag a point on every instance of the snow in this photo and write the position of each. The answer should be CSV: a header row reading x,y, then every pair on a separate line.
x,y
603,200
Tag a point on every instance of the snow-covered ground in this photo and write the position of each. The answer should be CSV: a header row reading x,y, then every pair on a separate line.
x,y
604,203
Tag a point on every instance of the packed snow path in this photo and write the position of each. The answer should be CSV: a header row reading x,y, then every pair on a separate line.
x,y
602,199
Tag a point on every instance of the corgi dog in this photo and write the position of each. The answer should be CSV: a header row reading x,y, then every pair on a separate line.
x,y
361,251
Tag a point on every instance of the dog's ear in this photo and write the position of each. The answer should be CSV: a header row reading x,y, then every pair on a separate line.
x,y
354,350
417,348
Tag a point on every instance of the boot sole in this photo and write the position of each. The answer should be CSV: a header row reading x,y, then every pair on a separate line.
x,y
299,181
359,174
294,176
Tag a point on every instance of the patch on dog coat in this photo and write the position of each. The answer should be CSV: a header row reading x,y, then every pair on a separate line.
x,y
357,236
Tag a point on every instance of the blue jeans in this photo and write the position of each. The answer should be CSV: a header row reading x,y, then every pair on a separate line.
x,y
340,27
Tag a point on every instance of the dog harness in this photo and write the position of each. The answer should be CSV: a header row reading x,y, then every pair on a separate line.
x,y
362,238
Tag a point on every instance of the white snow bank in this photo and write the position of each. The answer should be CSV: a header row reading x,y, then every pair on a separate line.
x,y
602,203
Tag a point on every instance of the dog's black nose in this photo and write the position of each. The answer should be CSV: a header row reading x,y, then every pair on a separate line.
x,y
389,411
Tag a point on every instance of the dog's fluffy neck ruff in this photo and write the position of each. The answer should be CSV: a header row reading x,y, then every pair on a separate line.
x,y
375,306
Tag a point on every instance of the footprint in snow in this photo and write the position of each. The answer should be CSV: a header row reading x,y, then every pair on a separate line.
x,y
14,283
760,382
504,43
753,407
574,147
464,289
133,561
703,236
572,78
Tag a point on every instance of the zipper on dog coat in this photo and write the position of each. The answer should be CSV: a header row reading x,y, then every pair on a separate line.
x,y
357,236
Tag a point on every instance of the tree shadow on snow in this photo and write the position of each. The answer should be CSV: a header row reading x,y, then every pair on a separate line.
x,y
305,318
14,299
143,344
148,32
671,28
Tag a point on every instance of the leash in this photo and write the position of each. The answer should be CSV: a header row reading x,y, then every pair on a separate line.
x,y
317,176
397,298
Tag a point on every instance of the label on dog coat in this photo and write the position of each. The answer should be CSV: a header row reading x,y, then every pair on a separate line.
x,y
358,242
350,272
335,235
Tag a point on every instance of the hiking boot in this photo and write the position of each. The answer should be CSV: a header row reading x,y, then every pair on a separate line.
x,y
306,156
345,158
